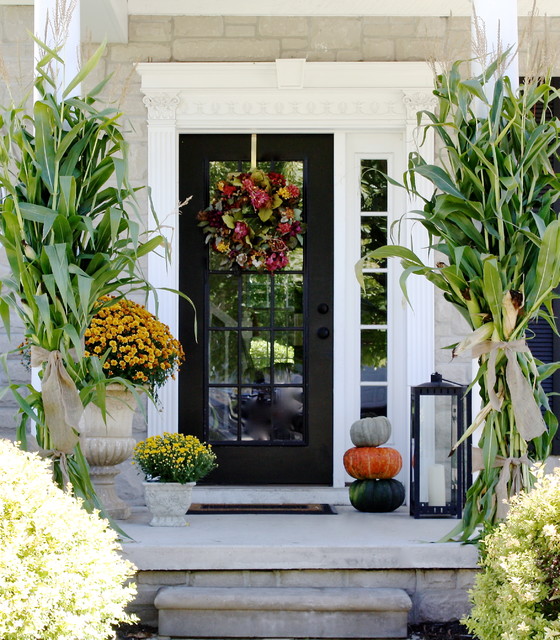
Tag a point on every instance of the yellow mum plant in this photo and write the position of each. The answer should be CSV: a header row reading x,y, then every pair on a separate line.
x,y
174,457
133,344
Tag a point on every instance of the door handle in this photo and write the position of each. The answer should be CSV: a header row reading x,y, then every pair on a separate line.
x,y
323,333
323,308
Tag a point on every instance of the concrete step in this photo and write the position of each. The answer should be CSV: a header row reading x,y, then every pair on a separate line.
x,y
282,612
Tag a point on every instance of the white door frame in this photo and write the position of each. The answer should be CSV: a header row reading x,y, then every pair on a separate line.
x,y
289,96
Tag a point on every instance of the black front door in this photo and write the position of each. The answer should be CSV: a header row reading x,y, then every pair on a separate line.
x,y
257,383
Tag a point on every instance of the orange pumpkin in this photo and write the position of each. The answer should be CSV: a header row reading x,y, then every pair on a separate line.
x,y
372,463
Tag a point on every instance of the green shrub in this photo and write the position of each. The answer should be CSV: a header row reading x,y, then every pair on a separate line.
x,y
517,594
61,576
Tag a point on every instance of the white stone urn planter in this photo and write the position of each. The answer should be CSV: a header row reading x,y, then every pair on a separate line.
x,y
106,444
168,502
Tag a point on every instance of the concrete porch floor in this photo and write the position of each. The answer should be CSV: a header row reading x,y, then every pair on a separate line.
x,y
348,550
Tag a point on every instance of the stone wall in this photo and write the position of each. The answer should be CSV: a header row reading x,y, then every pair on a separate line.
x,y
231,38
437,595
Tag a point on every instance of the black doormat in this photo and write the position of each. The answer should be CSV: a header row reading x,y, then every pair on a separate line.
x,y
281,509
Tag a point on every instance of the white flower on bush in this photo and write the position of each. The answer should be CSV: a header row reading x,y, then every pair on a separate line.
x,y
517,594
61,576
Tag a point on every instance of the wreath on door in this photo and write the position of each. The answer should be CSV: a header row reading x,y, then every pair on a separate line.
x,y
254,220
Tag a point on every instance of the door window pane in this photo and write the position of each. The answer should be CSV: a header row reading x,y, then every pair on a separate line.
x,y
222,357
222,422
373,186
255,413
256,300
373,402
288,300
223,300
255,355
374,299
374,355
288,356
373,231
287,414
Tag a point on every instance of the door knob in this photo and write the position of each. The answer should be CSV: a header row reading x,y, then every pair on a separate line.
x,y
323,308
323,333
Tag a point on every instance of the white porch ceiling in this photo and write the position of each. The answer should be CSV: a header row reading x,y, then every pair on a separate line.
x,y
109,18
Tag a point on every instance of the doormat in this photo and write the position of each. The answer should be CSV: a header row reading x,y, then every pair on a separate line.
x,y
281,509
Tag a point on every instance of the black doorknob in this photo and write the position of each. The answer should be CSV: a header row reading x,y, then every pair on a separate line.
x,y
323,333
323,308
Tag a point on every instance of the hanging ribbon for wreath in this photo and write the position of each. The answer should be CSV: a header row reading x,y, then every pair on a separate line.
x,y
254,219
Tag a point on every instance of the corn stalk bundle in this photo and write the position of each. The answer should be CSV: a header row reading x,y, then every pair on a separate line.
x,y
71,232
492,221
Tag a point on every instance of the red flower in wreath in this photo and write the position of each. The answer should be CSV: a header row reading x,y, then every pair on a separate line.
x,y
254,220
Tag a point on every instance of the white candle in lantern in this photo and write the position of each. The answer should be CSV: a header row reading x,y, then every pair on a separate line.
x,y
436,485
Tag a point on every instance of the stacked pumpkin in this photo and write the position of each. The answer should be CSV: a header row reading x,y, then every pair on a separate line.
x,y
374,467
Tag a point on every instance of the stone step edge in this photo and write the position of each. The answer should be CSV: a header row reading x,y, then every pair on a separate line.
x,y
283,598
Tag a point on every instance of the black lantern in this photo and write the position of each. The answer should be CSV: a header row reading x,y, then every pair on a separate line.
x,y
441,411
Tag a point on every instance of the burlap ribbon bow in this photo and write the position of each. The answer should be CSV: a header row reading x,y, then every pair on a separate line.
x,y
61,401
528,417
511,470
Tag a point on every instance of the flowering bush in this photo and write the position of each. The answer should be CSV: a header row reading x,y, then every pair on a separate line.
x,y
517,594
133,344
254,220
174,457
61,576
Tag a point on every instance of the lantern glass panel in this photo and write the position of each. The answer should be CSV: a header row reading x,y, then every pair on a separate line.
x,y
438,434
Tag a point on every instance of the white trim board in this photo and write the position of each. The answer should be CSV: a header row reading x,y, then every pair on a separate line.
x,y
349,8
345,99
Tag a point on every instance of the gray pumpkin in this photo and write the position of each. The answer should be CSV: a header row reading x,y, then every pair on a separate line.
x,y
370,432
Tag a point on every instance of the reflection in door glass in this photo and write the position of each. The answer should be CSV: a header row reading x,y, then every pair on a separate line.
x,y
373,186
373,230
223,300
288,300
222,423
373,402
223,356
374,299
255,348
287,414
255,301
374,355
256,342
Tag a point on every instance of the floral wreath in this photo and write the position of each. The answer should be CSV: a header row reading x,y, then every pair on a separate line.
x,y
254,220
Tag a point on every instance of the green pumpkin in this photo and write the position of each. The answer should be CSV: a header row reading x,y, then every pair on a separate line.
x,y
370,432
376,496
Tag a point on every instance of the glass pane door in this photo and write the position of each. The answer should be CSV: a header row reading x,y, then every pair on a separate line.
x,y
258,384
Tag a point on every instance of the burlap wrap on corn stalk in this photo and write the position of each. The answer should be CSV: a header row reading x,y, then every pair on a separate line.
x,y
528,417
510,470
61,404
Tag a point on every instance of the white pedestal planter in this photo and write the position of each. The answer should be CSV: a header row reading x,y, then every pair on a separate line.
x,y
107,444
168,502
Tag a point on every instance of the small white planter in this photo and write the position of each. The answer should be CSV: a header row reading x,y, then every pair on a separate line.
x,y
168,502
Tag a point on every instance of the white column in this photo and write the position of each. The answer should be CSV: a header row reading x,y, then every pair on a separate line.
x,y
57,24
420,345
494,28
163,172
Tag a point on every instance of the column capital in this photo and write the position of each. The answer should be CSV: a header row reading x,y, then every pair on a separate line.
x,y
415,101
161,106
